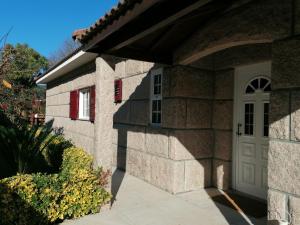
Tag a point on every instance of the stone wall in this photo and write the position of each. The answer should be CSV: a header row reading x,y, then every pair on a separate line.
x,y
176,156
284,151
255,22
193,147
58,105
222,64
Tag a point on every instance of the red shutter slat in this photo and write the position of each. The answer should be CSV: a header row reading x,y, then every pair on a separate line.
x,y
74,104
118,91
92,103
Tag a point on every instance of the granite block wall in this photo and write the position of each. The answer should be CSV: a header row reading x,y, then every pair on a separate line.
x,y
58,105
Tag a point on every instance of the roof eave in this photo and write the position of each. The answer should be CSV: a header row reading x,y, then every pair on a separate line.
x,y
77,60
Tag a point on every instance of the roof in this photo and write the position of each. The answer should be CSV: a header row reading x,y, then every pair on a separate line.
x,y
84,35
73,61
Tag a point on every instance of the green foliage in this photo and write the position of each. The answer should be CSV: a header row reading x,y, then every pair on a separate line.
x,y
44,199
24,63
29,149
19,65
21,147
54,150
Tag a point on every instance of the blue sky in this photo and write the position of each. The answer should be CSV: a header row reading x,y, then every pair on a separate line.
x,y
45,24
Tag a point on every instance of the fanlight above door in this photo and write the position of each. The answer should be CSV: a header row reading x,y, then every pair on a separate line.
x,y
262,83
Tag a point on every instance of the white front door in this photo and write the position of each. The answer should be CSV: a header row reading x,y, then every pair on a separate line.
x,y
253,86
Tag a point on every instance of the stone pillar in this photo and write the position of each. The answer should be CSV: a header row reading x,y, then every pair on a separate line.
x,y
104,114
284,150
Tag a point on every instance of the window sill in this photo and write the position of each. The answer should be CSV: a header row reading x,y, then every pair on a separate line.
x,y
84,119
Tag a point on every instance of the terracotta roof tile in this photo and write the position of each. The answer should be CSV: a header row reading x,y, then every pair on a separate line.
x,y
84,35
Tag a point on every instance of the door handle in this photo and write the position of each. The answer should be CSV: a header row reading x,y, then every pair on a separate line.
x,y
239,133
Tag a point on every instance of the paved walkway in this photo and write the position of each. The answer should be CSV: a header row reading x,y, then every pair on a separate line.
x,y
139,203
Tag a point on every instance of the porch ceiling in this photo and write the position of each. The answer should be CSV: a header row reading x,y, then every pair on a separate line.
x,y
155,32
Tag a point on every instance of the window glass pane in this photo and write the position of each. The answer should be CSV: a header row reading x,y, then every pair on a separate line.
x,y
268,88
263,83
266,120
156,98
249,90
154,106
157,89
158,117
254,83
249,119
159,105
156,111
84,102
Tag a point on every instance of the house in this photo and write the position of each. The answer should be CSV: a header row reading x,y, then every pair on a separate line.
x,y
190,94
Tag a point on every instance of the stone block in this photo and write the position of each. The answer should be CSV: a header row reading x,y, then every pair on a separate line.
x,y
221,174
129,136
81,141
147,66
119,134
80,82
242,55
191,144
157,142
120,69
276,205
246,26
119,157
223,115
174,113
285,64
224,84
138,164
136,138
223,145
205,63
83,127
167,174
133,67
122,112
136,87
294,206
297,16
199,113
58,110
139,112
197,174
284,166
279,115
180,81
295,116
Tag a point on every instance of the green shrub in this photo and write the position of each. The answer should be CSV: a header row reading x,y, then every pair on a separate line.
x,y
44,199
29,149
53,152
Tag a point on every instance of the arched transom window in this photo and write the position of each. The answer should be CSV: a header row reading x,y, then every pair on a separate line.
x,y
262,83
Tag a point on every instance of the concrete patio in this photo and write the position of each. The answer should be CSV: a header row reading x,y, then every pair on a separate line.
x,y
139,203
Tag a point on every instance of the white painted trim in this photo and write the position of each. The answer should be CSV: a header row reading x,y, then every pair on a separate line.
x,y
70,64
81,104
235,122
153,73
234,138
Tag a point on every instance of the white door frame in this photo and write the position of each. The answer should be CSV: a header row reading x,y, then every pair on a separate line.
x,y
235,122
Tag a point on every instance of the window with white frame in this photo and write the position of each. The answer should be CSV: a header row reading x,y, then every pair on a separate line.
x,y
84,104
156,93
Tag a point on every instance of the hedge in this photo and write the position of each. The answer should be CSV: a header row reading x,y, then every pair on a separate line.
x,y
36,199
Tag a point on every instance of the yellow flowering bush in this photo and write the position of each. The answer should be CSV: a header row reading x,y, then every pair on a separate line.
x,y
36,199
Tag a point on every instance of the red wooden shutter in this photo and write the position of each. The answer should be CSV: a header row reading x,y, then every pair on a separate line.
x,y
74,104
92,103
118,91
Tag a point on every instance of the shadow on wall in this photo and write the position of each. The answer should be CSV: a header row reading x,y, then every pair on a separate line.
x,y
143,150
146,151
